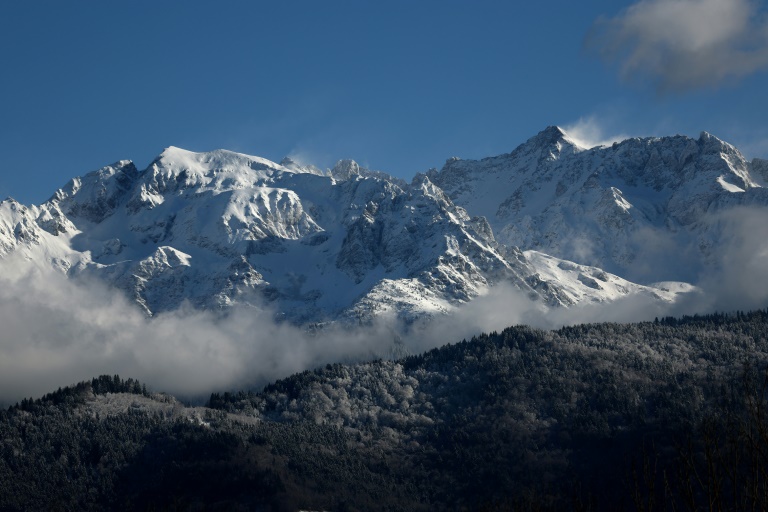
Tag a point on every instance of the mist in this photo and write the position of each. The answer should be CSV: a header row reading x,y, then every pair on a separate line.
x,y
57,331
739,276
734,277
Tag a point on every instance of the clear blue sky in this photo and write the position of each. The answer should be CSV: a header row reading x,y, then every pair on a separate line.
x,y
398,86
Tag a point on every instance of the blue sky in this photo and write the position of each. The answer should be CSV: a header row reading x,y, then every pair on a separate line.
x,y
398,86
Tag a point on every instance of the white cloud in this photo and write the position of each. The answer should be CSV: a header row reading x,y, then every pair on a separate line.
x,y
740,278
307,156
589,132
505,306
684,44
57,331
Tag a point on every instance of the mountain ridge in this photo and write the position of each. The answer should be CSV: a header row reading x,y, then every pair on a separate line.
x,y
222,228
592,205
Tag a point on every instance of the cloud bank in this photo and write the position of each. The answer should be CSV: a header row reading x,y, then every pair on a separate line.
x,y
58,331
739,277
684,44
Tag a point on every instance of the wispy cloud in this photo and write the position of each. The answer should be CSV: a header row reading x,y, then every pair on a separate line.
x,y
589,132
308,156
684,44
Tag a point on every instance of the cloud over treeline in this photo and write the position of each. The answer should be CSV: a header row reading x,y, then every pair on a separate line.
x,y
684,44
57,330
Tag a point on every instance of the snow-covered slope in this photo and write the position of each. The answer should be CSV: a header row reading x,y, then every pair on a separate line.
x,y
625,208
583,284
219,228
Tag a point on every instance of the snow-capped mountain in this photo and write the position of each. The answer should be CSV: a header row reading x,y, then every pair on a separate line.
x,y
624,208
582,284
220,228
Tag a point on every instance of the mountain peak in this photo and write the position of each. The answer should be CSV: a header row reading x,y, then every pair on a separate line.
x,y
243,227
96,195
345,169
553,131
715,145
553,136
707,138
216,157
177,160
174,153
292,165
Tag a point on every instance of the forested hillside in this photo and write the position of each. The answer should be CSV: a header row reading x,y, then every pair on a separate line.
x,y
648,416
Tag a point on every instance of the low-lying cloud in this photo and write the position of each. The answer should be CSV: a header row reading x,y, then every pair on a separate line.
x,y
739,277
684,44
57,331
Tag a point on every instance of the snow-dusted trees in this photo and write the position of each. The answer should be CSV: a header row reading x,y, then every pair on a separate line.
x,y
531,418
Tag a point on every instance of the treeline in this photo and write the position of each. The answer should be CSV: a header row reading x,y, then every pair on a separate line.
x,y
77,393
518,412
723,318
663,415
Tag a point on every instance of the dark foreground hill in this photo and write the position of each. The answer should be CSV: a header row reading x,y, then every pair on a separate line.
x,y
651,416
